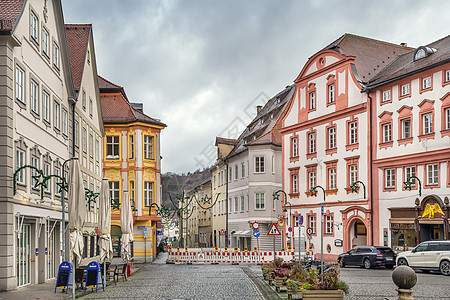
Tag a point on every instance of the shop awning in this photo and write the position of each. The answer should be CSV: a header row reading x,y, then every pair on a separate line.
x,y
242,233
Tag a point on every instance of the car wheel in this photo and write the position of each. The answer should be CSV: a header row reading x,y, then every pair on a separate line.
x,y
402,262
341,263
444,267
367,263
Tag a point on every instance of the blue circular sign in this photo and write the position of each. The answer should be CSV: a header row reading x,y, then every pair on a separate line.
x,y
301,220
256,233
290,229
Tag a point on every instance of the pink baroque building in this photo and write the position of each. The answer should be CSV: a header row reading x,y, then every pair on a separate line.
x,y
410,105
325,136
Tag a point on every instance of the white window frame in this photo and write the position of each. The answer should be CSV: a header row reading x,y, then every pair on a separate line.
x,y
236,204
236,172
114,190
91,146
353,173
64,119
55,55
112,144
331,93
97,150
91,104
432,174
295,183
312,100
20,75
389,176
45,42
387,133
45,106
312,142
427,123
260,201
242,170
77,133
20,162
447,118
84,139
242,204
34,96
295,147
312,179
332,137
312,223
406,128
35,162
56,114
353,132
332,178
149,142
148,193
57,171
259,164
447,76
34,24
426,83
329,224
410,171
387,96
405,89
46,171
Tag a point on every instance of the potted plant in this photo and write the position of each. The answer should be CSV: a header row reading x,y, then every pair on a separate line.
x,y
324,286
280,275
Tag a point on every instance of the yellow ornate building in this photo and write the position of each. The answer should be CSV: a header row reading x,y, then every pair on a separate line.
x,y
131,162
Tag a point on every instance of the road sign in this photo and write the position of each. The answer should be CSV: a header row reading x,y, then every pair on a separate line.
x,y
145,232
256,233
222,232
290,229
273,230
301,220
141,227
322,208
255,225
309,231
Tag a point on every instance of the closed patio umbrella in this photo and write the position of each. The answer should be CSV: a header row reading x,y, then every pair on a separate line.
x,y
126,225
104,222
77,210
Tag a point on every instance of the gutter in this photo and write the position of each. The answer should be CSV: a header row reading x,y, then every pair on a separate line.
x,y
370,163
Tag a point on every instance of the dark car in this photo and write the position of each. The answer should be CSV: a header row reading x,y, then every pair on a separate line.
x,y
368,257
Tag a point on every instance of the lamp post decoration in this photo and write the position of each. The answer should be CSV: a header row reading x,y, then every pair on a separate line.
x,y
354,186
313,192
408,184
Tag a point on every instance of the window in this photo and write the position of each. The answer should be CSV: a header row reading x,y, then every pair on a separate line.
x,y
236,204
427,123
312,179
294,147
132,191
242,170
84,140
20,162
432,174
19,84
353,172
148,193
34,22
406,128
387,136
312,142
332,178
410,171
114,190
273,164
230,174
389,178
331,93
353,133
55,55
242,204
312,100
45,42
426,83
447,76
294,183
405,89
236,172
331,137
148,147
328,224
229,205
387,96
112,147
259,164
34,101
131,142
91,145
34,163
64,121
56,112
97,148
312,223
259,201
46,171
90,107
46,106
447,118
57,171
77,133
83,100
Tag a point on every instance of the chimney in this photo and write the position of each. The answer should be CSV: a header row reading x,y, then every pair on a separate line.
x,y
404,44
258,109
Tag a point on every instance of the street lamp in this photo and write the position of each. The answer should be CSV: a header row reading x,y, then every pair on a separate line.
x,y
355,187
408,183
313,192
63,205
276,196
290,218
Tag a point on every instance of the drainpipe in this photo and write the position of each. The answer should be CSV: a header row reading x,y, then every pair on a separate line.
x,y
73,129
227,239
370,163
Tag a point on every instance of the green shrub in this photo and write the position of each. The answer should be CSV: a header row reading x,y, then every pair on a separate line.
x,y
278,261
306,286
341,285
294,284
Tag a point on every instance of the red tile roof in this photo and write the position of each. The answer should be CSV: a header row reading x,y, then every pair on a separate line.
x,y
371,55
220,140
9,13
77,40
116,109
107,86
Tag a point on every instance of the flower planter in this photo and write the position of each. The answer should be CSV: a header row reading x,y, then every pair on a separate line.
x,y
270,278
291,292
279,283
323,294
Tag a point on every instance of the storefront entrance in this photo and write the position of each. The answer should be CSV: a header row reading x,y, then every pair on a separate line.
x,y
432,232
358,234
24,255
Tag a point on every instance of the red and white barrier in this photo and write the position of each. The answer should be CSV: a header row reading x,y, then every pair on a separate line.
x,y
240,257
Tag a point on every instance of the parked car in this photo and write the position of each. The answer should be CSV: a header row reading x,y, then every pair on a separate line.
x,y
368,257
428,256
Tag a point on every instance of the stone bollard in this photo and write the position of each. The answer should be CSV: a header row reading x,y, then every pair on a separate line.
x,y
405,278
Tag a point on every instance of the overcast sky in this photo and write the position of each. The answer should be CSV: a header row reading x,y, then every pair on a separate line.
x,y
201,67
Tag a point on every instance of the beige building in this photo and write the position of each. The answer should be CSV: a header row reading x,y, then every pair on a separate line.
x,y
219,192
36,116
199,222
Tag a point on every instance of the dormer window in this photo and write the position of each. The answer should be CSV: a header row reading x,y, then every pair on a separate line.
x,y
261,121
423,52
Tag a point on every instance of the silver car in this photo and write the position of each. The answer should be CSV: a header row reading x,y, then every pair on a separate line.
x,y
428,256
